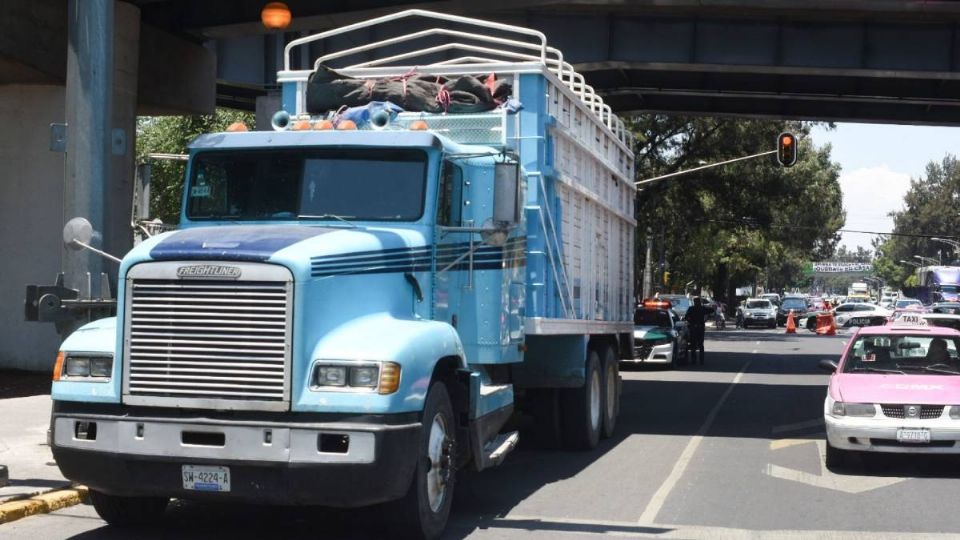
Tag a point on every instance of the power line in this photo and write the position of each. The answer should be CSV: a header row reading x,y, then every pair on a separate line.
x,y
810,227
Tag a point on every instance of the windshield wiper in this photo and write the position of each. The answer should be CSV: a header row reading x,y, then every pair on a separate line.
x,y
878,370
934,368
327,216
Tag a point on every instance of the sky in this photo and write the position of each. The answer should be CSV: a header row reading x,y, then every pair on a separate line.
x,y
877,163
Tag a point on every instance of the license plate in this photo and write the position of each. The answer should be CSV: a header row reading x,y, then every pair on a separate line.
x,y
913,435
206,478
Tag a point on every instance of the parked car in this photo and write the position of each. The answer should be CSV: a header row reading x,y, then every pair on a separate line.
x,y
895,390
759,311
797,304
660,336
774,298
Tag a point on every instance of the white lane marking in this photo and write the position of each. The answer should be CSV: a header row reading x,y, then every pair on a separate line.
x,y
796,426
564,526
753,351
680,467
826,479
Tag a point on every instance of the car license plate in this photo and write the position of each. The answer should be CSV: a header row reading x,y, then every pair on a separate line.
x,y
919,436
206,478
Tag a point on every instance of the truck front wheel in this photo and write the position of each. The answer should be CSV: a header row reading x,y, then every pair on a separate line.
x,y
583,407
423,511
128,511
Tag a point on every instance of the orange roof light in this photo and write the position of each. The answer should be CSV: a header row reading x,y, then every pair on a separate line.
x,y
323,125
275,16
301,125
419,125
656,303
237,126
346,125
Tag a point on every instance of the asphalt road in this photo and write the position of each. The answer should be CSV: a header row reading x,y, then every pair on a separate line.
x,y
729,450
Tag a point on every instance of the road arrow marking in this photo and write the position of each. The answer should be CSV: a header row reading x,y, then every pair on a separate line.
x,y
826,479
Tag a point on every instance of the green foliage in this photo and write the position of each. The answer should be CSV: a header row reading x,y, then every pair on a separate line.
x,y
741,222
930,210
171,135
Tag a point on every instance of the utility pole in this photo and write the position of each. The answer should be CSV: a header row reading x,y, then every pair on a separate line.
x,y
647,271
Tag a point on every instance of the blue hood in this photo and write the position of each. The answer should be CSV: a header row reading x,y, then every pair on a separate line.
x,y
254,243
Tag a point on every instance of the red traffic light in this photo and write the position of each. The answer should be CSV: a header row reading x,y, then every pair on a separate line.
x,y
787,149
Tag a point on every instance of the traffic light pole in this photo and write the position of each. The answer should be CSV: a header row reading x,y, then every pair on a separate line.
x,y
710,166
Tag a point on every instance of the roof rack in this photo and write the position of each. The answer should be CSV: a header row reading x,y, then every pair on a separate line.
x,y
487,52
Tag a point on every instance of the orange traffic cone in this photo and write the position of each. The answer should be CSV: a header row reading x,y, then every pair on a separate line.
x,y
791,325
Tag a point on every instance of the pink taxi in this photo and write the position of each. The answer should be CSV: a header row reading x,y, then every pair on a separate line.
x,y
895,389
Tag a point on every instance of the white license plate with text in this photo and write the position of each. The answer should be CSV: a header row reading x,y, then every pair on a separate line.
x,y
919,436
206,478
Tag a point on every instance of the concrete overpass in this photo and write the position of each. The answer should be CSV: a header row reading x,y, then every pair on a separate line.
x,y
863,60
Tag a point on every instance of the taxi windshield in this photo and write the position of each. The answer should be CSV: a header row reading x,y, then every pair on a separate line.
x,y
651,317
910,354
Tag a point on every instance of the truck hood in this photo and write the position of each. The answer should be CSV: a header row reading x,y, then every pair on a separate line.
x,y
308,250
894,388
233,242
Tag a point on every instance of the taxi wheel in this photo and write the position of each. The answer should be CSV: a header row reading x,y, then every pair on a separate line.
x,y
836,458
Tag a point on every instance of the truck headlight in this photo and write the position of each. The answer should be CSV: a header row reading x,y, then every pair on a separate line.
x,y
854,409
384,377
85,366
77,366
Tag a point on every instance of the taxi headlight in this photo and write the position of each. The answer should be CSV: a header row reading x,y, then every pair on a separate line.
x,y
955,412
854,409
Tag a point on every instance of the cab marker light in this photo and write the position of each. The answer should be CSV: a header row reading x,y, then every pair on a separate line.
x,y
346,125
301,125
418,125
323,125
389,378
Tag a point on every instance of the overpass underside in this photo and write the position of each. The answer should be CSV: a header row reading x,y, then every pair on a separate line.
x,y
855,70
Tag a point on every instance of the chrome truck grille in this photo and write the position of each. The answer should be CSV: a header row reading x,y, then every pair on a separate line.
x,y
194,339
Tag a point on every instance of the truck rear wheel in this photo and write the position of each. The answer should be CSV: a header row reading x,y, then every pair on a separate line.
x,y
582,408
611,391
422,513
128,511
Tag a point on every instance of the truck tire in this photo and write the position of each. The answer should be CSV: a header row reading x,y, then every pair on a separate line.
x,y
611,391
422,513
128,511
582,408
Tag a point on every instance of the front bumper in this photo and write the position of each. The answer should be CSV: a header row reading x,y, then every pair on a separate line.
x,y
879,434
755,319
343,462
656,354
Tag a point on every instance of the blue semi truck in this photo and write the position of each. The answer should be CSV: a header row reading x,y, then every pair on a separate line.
x,y
349,316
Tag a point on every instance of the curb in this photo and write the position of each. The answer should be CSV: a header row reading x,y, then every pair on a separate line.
x,y
42,504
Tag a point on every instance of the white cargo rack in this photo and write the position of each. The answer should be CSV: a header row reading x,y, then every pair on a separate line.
x,y
589,246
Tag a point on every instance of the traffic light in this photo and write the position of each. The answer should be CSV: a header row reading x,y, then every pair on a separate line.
x,y
787,149
666,278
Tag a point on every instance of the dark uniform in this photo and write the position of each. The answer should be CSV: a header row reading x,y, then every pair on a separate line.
x,y
696,317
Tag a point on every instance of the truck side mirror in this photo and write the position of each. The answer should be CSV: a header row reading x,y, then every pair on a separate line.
x,y
77,233
506,194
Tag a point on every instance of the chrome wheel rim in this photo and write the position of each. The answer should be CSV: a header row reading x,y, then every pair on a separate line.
x,y
439,448
595,400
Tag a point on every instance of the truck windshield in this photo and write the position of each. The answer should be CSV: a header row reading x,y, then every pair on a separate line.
x,y
355,184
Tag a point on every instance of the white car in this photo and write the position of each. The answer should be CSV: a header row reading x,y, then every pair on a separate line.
x,y
861,314
759,311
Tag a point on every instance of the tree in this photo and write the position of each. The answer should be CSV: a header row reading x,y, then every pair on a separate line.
x,y
172,135
747,221
929,210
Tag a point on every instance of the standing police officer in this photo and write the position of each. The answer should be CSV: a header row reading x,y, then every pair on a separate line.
x,y
696,317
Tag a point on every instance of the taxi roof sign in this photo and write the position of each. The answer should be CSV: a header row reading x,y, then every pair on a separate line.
x,y
909,319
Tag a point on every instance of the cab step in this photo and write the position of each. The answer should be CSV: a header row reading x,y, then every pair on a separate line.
x,y
498,448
